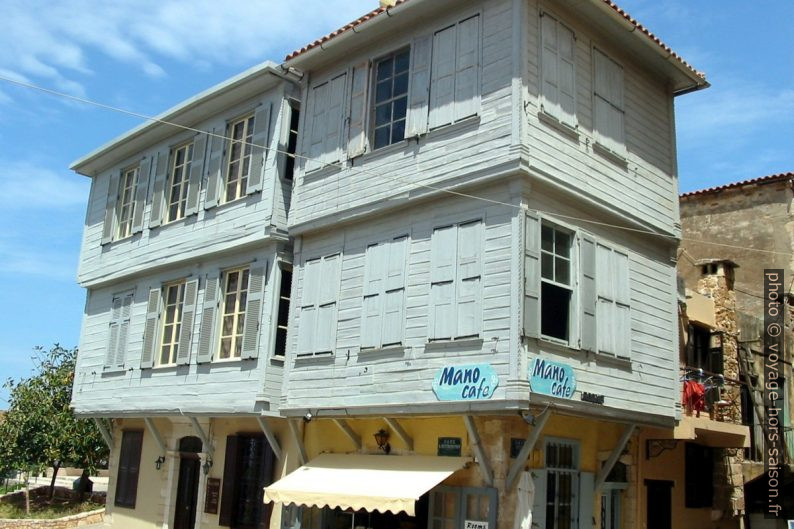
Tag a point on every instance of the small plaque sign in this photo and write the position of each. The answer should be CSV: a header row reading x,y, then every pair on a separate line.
x,y
593,397
213,496
474,524
516,444
449,446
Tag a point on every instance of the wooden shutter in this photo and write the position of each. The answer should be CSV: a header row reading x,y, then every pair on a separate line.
x,y
186,326
113,332
141,190
442,276
605,317
110,207
566,73
374,278
539,503
357,138
467,70
212,193
308,314
442,254
259,151
375,268
319,116
587,293
335,119
129,469
124,329
608,102
419,95
442,78
549,88
329,286
230,468
394,297
326,313
158,191
196,172
398,252
253,310
532,275
151,328
622,289
208,310
586,500
468,309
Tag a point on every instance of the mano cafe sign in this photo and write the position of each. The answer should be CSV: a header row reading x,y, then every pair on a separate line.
x,y
552,378
467,382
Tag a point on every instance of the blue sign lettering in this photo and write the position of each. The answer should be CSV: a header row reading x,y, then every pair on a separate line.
x,y
552,378
469,382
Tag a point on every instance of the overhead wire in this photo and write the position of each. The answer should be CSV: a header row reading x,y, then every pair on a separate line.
x,y
362,170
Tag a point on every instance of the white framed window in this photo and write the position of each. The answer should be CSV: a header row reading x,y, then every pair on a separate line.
x,y
319,296
453,507
178,182
238,164
562,484
609,112
233,305
390,98
456,281
282,317
613,309
126,202
558,71
173,304
557,282
383,314
118,329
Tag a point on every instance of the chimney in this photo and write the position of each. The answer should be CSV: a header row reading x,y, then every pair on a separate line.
x,y
387,3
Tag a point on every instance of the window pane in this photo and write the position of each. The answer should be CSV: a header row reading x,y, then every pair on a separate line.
x,y
382,114
400,107
401,62
382,137
547,266
547,238
562,243
398,131
383,91
385,69
555,311
562,270
401,85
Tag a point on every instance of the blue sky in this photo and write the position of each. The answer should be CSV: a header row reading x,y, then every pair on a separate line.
x,y
115,53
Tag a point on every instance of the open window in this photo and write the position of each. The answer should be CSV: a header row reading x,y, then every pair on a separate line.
x,y
556,274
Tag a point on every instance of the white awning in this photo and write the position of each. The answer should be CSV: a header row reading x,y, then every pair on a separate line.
x,y
374,483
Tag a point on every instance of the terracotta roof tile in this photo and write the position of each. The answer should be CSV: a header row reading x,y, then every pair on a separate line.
x,y
760,180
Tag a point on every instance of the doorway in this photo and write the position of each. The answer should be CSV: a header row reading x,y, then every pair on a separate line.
x,y
659,504
187,486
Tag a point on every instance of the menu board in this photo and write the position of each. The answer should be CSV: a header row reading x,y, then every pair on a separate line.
x,y
213,496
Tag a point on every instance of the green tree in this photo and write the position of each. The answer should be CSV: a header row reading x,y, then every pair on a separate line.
x,y
39,430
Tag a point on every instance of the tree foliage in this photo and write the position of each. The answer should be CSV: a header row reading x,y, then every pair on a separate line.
x,y
39,428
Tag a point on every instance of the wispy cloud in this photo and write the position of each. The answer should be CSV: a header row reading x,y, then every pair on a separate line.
x,y
23,258
29,186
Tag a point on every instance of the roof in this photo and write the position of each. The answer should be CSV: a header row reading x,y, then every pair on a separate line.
x,y
351,26
771,179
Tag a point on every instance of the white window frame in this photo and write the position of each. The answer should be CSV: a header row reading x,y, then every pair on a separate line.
x,y
176,325
573,287
373,88
238,315
128,184
246,149
184,182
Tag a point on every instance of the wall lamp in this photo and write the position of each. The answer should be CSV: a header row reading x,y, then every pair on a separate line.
x,y
158,463
382,439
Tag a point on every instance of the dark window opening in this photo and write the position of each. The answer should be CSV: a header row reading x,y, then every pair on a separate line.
x,y
699,477
704,350
283,312
129,468
247,471
391,98
555,311
292,143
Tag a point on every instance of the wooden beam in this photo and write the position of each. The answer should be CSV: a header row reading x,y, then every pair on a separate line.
x,y
271,438
348,431
104,431
613,457
529,444
202,434
156,434
296,436
474,436
395,425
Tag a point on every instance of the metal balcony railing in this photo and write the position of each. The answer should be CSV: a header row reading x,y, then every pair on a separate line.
x,y
710,394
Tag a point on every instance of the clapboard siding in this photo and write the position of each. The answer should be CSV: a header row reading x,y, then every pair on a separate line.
x,y
222,228
644,186
220,387
355,377
457,150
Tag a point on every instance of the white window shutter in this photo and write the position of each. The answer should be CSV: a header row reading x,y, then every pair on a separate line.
x,y
393,317
398,254
442,254
113,332
151,329
442,78
158,192
311,283
141,190
307,330
548,67
605,308
469,249
586,500
329,285
308,314
253,310
587,292
196,172
357,138
319,116
371,323
375,263
212,194
419,95
335,119
539,501
609,103
566,73
259,150
469,308
124,329
622,305
208,310
532,275
186,326
326,319
110,207
442,311
467,71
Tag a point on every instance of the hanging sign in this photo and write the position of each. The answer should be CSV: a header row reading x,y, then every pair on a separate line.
x,y
474,524
468,382
449,446
552,378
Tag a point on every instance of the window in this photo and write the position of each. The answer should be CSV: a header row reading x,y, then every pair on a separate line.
x,y
562,475
292,141
121,311
704,349
324,139
613,314
557,70
699,476
282,321
382,320
319,295
178,182
235,293
455,281
126,202
241,135
556,290
174,298
455,73
391,98
248,468
128,470
608,102
452,507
